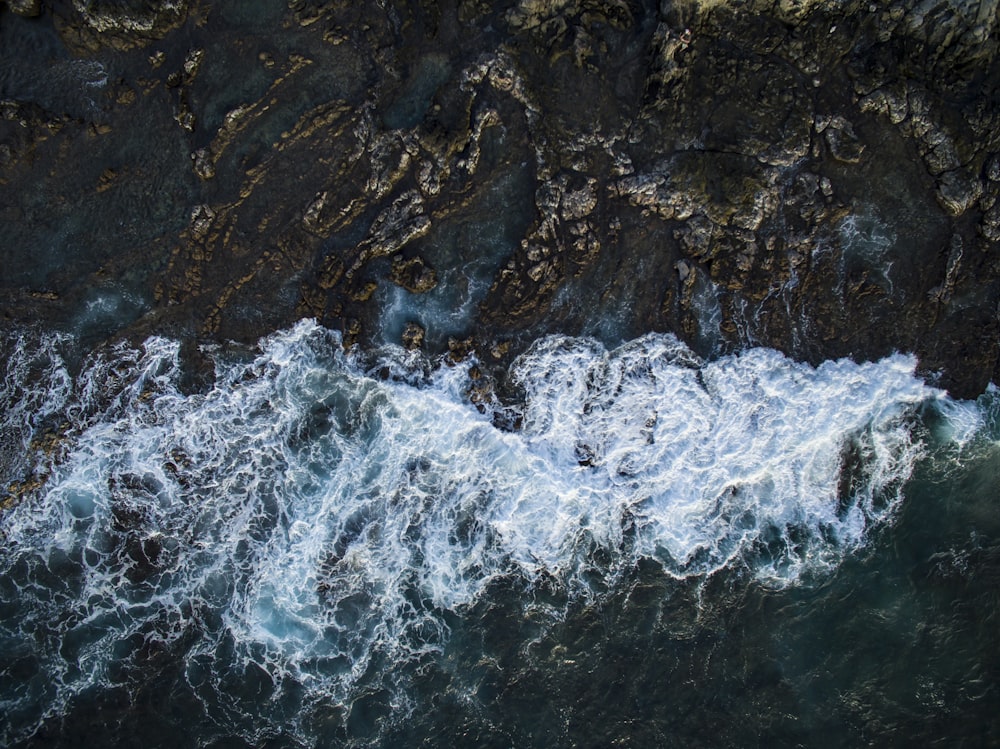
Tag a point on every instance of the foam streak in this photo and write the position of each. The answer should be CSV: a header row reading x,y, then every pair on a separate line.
x,y
316,522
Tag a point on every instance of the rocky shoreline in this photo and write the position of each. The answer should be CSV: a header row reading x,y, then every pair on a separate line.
x,y
822,178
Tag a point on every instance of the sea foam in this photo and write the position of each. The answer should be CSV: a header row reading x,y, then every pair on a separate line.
x,y
318,517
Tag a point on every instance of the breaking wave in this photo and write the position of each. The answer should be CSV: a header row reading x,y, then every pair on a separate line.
x,y
316,518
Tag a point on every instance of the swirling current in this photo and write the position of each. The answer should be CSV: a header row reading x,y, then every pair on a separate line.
x,y
336,547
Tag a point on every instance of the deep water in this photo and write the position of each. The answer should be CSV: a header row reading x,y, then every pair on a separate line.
x,y
644,548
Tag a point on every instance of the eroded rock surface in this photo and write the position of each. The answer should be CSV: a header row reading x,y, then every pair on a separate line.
x,y
822,178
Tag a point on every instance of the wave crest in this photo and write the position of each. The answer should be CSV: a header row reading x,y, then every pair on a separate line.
x,y
320,523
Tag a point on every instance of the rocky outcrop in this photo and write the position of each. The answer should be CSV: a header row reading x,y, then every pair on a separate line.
x,y
413,336
27,8
413,274
822,178
121,24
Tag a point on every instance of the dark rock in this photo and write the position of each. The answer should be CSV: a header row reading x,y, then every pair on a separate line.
x,y
841,139
404,220
202,162
27,8
122,24
460,349
943,292
819,178
413,274
957,192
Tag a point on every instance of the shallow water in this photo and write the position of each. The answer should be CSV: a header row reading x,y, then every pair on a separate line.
x,y
329,547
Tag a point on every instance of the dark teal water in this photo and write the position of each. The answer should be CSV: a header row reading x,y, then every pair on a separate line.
x,y
309,554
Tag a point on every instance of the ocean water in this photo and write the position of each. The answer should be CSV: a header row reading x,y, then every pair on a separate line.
x,y
342,548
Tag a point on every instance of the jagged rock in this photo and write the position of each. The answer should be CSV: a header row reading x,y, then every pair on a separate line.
x,y
841,139
728,189
612,156
577,204
204,166
957,191
122,24
413,336
201,221
944,292
413,274
459,349
403,221
364,291
500,349
352,330
991,223
27,8
142,16
993,169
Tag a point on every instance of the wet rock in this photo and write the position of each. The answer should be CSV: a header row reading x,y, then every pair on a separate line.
x,y
665,155
991,223
568,24
726,189
990,206
841,139
993,169
363,292
403,221
459,349
140,16
202,163
352,331
500,349
888,102
649,191
957,191
944,292
92,24
413,274
480,392
413,336
201,221
27,8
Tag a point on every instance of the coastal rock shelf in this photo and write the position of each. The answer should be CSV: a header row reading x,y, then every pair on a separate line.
x,y
820,178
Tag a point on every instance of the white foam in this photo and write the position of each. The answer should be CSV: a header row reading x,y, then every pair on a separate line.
x,y
34,388
712,460
865,237
324,518
962,421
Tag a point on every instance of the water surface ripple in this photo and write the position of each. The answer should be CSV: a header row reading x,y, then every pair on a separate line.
x,y
313,548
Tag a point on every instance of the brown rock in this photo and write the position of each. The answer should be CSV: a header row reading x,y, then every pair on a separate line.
x,y
413,336
413,274
26,8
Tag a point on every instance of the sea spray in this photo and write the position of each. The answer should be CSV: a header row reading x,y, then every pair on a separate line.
x,y
318,522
